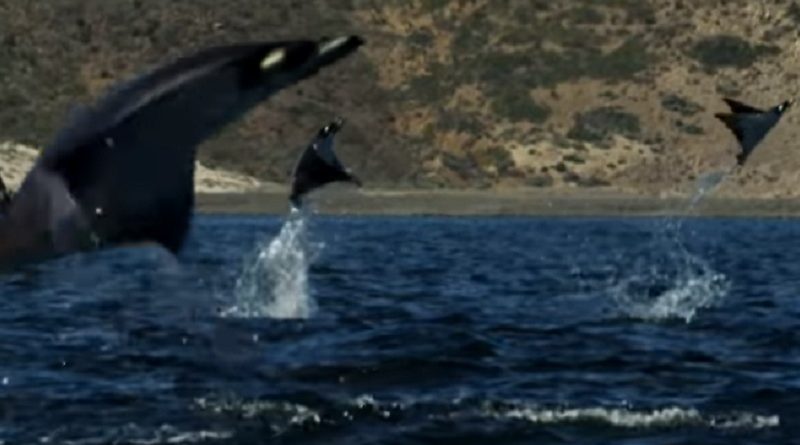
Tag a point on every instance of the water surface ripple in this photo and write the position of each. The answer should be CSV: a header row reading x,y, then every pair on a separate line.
x,y
424,330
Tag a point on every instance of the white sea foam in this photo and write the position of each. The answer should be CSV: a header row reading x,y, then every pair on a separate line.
x,y
670,417
287,414
279,415
138,435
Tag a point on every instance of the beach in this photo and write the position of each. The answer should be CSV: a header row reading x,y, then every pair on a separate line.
x,y
515,202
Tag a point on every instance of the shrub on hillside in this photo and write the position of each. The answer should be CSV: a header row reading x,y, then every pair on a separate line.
x,y
516,105
680,105
598,124
728,51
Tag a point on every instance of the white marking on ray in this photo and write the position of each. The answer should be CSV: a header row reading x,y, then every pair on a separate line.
x,y
333,44
273,58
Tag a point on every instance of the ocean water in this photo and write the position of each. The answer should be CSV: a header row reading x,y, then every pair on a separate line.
x,y
367,330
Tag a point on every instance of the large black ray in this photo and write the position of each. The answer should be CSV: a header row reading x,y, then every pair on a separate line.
x,y
121,171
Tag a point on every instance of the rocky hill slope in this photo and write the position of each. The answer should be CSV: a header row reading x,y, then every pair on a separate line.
x,y
451,93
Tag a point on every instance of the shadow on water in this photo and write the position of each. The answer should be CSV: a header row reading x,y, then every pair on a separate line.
x,y
669,281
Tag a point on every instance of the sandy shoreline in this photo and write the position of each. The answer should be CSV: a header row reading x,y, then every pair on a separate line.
x,y
222,191
342,201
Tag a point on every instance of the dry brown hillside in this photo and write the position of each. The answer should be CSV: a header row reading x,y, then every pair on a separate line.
x,y
451,93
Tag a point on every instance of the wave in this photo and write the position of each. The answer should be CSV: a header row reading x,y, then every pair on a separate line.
x,y
139,435
669,417
282,415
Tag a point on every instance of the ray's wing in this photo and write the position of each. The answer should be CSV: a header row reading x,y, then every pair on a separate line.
x,y
739,107
749,130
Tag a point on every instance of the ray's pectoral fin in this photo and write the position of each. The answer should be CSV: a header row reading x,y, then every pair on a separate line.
x,y
5,197
738,127
740,107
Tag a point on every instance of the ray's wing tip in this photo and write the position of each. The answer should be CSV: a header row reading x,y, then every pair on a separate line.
x,y
350,40
726,118
338,47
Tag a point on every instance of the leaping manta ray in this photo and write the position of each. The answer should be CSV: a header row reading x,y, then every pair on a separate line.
x,y
750,125
318,165
121,171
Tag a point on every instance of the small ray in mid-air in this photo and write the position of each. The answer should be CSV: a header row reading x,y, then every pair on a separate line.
x,y
750,125
318,165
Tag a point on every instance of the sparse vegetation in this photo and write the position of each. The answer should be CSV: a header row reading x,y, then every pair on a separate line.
x,y
677,104
461,122
728,51
517,105
501,159
580,56
433,5
584,15
592,181
420,38
495,159
515,74
464,166
727,87
636,11
625,61
689,128
433,86
598,124
540,180
573,158
793,12
571,177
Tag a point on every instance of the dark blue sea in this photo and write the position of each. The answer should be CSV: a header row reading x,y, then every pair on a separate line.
x,y
383,330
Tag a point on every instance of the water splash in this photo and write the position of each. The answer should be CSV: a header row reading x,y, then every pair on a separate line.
x,y
704,185
275,284
670,281
677,286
